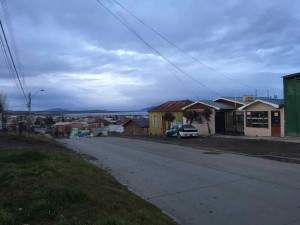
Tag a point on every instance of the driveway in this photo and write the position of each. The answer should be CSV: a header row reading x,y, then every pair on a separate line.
x,y
195,187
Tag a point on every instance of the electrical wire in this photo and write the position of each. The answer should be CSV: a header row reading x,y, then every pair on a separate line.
x,y
156,51
12,60
112,6
178,48
12,37
10,69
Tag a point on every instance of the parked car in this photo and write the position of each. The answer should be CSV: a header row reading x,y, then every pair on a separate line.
x,y
182,130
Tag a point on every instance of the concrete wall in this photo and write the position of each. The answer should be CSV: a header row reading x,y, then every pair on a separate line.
x,y
202,127
261,131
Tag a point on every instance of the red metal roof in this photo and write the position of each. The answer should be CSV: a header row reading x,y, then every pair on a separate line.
x,y
171,106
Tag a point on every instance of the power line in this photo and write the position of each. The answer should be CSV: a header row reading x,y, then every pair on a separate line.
x,y
12,37
112,6
178,48
10,69
156,51
180,80
12,60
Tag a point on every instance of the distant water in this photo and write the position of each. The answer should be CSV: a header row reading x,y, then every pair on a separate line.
x,y
108,114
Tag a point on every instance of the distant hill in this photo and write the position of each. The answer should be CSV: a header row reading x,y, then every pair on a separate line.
x,y
146,109
60,110
57,110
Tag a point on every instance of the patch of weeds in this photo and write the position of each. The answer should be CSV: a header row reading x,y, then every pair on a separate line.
x,y
62,196
25,157
115,220
6,218
43,186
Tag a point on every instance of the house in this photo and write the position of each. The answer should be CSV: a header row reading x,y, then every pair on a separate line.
x,y
217,121
79,125
234,119
93,125
115,130
138,126
264,117
97,132
157,122
65,128
291,85
102,122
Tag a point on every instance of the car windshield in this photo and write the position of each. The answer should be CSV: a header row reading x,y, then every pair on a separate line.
x,y
187,126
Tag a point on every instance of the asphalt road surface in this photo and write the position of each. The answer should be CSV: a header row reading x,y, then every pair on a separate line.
x,y
198,188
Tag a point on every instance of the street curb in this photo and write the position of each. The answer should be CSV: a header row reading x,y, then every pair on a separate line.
x,y
270,157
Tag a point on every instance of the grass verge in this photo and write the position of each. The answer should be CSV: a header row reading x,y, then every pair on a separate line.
x,y
43,185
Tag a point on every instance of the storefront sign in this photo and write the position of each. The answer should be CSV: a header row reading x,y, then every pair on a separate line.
x,y
248,99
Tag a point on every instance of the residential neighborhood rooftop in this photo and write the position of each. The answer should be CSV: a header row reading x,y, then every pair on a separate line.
x,y
210,103
171,106
241,100
217,105
276,103
233,99
141,122
292,75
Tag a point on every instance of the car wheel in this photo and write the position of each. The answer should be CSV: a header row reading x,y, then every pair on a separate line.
x,y
178,136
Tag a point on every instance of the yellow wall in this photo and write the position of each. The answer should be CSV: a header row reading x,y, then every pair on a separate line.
x,y
158,130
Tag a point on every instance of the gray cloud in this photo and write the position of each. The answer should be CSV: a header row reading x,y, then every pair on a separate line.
x,y
84,58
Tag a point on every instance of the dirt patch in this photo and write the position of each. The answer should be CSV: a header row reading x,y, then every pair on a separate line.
x,y
274,150
8,142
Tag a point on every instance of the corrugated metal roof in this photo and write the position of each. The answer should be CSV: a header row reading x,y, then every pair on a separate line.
x,y
217,104
116,128
171,106
235,99
267,99
292,75
209,103
141,122
279,102
276,103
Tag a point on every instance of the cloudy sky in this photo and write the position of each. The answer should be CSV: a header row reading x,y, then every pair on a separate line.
x,y
85,58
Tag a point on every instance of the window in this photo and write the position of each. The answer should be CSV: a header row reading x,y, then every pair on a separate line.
x,y
238,118
257,119
154,120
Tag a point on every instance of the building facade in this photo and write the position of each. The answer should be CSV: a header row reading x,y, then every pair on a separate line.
x,y
136,127
264,118
157,123
292,104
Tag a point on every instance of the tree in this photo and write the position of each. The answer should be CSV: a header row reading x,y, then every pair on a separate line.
x,y
49,121
169,117
206,113
191,115
68,130
37,121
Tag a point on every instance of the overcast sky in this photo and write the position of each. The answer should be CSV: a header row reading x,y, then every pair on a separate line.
x,y
85,59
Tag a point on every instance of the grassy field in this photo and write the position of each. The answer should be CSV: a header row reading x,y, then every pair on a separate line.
x,y
41,182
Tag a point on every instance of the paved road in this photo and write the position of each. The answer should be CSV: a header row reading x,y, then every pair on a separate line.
x,y
198,188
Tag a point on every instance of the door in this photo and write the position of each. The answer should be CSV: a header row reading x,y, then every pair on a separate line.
x,y
220,122
275,124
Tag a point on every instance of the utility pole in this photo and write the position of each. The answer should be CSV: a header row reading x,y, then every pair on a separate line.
x,y
29,106
29,103
29,113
